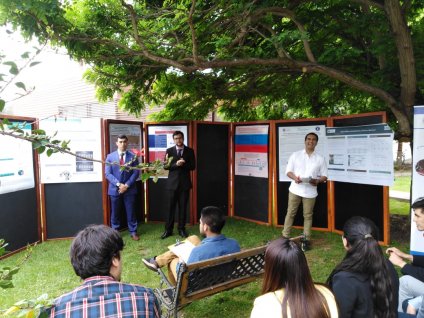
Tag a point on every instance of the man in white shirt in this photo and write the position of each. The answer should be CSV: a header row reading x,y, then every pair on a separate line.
x,y
307,169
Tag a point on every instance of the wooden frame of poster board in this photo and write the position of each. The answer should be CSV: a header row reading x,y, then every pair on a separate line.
x,y
155,192
380,208
140,207
210,139
19,207
266,209
322,206
66,198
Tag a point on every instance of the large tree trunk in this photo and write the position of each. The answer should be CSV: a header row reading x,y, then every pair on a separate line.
x,y
408,81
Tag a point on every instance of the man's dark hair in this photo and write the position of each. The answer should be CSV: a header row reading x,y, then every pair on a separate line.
x,y
93,249
122,136
311,133
418,204
177,132
214,218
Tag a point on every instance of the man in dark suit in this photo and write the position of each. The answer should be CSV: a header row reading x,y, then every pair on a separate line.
x,y
178,183
122,189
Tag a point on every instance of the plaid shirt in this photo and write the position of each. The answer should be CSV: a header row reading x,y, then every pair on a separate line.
x,y
103,297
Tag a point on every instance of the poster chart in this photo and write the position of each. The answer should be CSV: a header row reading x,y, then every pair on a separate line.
x,y
160,138
85,141
16,162
133,133
251,151
417,237
361,154
292,139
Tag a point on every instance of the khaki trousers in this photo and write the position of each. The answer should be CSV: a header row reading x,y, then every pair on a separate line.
x,y
171,260
308,210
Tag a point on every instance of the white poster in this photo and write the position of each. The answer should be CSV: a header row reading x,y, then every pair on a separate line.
x,y
160,139
133,133
292,139
251,151
361,154
16,163
417,238
85,141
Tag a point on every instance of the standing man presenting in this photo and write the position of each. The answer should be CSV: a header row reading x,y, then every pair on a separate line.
x,y
307,169
178,183
122,189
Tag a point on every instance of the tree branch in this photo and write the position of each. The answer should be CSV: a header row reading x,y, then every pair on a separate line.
x,y
369,3
193,33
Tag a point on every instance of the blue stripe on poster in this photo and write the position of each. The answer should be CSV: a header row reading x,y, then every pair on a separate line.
x,y
157,141
251,140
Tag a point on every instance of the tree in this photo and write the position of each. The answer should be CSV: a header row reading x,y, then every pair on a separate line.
x,y
247,59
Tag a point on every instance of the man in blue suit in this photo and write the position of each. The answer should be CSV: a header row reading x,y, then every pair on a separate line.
x,y
122,189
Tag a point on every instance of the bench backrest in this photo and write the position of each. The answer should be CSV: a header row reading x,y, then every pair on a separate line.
x,y
208,277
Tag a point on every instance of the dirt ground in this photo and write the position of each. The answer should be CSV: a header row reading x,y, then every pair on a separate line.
x,y
400,228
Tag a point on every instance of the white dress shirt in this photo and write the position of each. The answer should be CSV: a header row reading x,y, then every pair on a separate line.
x,y
305,166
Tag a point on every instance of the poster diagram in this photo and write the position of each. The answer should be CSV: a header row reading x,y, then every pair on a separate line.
x,y
133,133
160,138
251,151
292,139
417,239
16,163
85,141
361,154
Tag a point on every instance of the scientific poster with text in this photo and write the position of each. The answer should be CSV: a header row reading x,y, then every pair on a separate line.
x,y
417,237
361,154
292,139
251,151
85,141
16,163
133,133
160,139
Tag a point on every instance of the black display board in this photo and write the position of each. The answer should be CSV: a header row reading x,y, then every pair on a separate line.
x,y
212,150
72,206
251,194
18,218
157,195
320,217
353,199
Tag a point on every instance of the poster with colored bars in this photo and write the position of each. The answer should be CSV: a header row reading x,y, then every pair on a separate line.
x,y
251,151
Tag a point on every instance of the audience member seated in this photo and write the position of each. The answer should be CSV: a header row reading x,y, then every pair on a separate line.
x,y
288,289
96,258
412,281
365,283
212,220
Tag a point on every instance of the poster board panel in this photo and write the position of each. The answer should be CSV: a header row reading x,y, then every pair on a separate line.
x,y
20,217
211,178
299,128
158,138
352,199
252,171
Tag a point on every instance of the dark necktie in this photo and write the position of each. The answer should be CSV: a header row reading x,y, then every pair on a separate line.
x,y
180,153
121,161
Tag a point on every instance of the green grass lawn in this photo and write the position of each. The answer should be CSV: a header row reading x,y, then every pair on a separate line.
x,y
49,271
402,183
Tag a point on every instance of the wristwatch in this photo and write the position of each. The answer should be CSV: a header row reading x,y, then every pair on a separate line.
x,y
118,184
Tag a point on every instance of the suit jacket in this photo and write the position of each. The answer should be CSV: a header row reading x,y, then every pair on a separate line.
x,y
179,177
114,174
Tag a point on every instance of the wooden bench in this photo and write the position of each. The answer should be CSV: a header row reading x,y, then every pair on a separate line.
x,y
202,279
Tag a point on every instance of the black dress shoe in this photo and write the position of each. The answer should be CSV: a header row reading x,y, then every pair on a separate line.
x,y
183,233
165,235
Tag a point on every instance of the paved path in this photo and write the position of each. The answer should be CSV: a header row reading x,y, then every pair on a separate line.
x,y
399,195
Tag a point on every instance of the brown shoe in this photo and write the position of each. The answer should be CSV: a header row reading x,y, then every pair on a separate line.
x,y
150,264
135,237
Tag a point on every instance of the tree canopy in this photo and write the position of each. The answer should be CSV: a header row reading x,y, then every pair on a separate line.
x,y
246,59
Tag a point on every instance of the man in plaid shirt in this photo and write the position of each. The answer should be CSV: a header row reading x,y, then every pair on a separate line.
x,y
96,258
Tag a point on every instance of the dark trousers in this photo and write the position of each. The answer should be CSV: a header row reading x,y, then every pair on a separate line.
x,y
177,198
116,203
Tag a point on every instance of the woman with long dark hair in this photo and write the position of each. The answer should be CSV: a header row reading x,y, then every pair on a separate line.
x,y
365,283
288,289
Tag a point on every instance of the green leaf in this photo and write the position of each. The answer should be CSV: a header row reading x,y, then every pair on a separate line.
x,y
41,149
34,63
21,85
2,104
25,55
49,152
39,132
145,176
13,67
